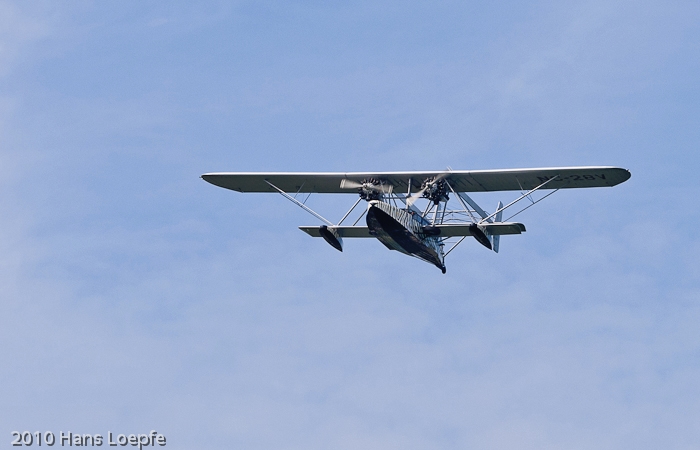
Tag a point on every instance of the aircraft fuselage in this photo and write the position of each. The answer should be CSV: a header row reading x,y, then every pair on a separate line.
x,y
399,230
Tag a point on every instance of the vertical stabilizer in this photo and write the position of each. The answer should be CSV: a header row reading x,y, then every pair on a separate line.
x,y
497,238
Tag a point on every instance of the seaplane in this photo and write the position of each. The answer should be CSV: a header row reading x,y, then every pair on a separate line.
x,y
421,214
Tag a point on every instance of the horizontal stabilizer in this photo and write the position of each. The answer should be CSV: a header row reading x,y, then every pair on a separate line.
x,y
494,229
443,230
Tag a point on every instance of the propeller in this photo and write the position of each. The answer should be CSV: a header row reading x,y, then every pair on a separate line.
x,y
369,189
427,184
373,185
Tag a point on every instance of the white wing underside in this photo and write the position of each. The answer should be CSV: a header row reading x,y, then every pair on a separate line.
x,y
460,180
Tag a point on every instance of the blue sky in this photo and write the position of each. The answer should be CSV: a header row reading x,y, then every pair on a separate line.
x,y
135,296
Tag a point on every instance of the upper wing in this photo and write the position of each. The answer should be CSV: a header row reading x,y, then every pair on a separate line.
x,y
460,180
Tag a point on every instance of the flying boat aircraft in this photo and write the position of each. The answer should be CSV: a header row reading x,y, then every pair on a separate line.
x,y
393,215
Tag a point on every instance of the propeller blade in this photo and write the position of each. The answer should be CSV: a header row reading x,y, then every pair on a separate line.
x,y
412,199
350,184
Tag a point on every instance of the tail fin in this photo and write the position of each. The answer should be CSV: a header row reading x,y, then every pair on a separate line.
x,y
497,238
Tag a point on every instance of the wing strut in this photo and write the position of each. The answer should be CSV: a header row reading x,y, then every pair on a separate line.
x,y
454,246
532,204
349,211
465,198
522,197
298,203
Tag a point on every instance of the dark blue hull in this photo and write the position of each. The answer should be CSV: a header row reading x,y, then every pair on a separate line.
x,y
395,236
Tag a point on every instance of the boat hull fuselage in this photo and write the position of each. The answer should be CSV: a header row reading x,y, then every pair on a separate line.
x,y
398,230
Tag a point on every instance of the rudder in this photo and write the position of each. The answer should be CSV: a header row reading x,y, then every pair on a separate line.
x,y
497,238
